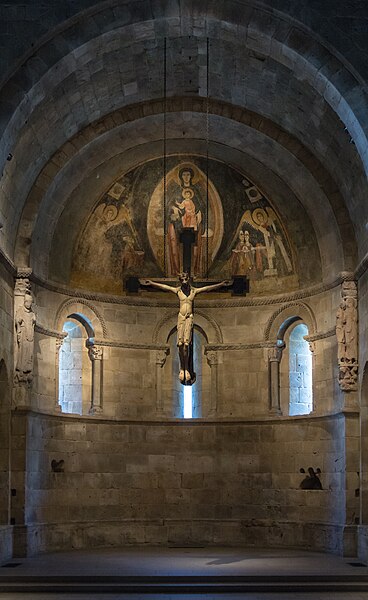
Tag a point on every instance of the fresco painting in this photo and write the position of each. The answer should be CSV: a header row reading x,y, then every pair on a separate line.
x,y
237,231
186,206
259,247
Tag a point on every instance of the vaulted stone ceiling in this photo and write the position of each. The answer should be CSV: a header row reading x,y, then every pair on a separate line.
x,y
83,102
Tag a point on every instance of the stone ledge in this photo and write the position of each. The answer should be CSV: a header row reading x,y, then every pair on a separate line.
x,y
26,410
43,537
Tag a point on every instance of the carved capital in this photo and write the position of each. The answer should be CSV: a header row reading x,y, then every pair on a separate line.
x,y
22,282
24,273
95,352
212,358
311,343
161,356
275,353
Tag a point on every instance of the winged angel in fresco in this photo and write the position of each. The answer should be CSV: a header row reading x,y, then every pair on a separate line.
x,y
248,259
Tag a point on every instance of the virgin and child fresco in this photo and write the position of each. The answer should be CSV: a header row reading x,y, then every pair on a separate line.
x,y
135,230
186,206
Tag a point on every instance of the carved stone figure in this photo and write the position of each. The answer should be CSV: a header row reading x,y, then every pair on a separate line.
x,y
347,337
25,320
186,294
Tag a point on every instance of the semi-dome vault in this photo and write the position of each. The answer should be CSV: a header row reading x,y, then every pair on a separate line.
x,y
241,235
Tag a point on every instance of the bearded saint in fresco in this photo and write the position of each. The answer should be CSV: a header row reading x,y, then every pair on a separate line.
x,y
186,209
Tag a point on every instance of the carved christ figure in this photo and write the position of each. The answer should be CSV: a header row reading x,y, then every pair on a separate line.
x,y
186,294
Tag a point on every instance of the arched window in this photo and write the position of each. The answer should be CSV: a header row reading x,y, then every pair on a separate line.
x,y
187,398
300,372
296,368
75,366
181,401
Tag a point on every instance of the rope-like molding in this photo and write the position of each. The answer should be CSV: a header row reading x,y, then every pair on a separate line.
x,y
85,302
320,336
157,303
280,310
219,347
50,332
130,345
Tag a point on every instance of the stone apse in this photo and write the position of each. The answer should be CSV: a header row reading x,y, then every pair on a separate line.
x,y
97,448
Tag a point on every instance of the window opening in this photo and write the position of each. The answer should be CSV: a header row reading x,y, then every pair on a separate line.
x,y
188,401
70,369
300,372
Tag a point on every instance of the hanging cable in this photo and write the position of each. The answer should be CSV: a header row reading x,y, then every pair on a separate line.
x,y
207,153
164,160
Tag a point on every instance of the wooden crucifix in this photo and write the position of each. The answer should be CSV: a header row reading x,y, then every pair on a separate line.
x,y
186,294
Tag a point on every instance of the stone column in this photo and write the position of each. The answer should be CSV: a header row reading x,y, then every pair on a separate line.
x,y
58,345
160,360
95,354
213,361
274,357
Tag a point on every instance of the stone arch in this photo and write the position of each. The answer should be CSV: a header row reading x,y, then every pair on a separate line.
x,y
79,307
207,325
283,318
294,58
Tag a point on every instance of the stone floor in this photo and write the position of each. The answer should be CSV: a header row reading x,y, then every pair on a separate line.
x,y
184,562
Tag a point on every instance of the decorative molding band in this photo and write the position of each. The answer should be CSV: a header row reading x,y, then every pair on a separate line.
x,y
220,347
7,263
226,303
266,344
130,345
320,336
50,332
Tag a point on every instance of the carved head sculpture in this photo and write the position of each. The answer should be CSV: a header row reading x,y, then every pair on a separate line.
x,y
28,301
184,279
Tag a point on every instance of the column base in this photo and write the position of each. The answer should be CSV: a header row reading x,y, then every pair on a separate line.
x,y
275,411
95,410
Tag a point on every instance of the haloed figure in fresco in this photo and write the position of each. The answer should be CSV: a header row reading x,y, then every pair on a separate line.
x,y
185,211
186,294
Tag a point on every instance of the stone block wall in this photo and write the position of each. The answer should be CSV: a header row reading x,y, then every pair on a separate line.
x,y
179,483
132,336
